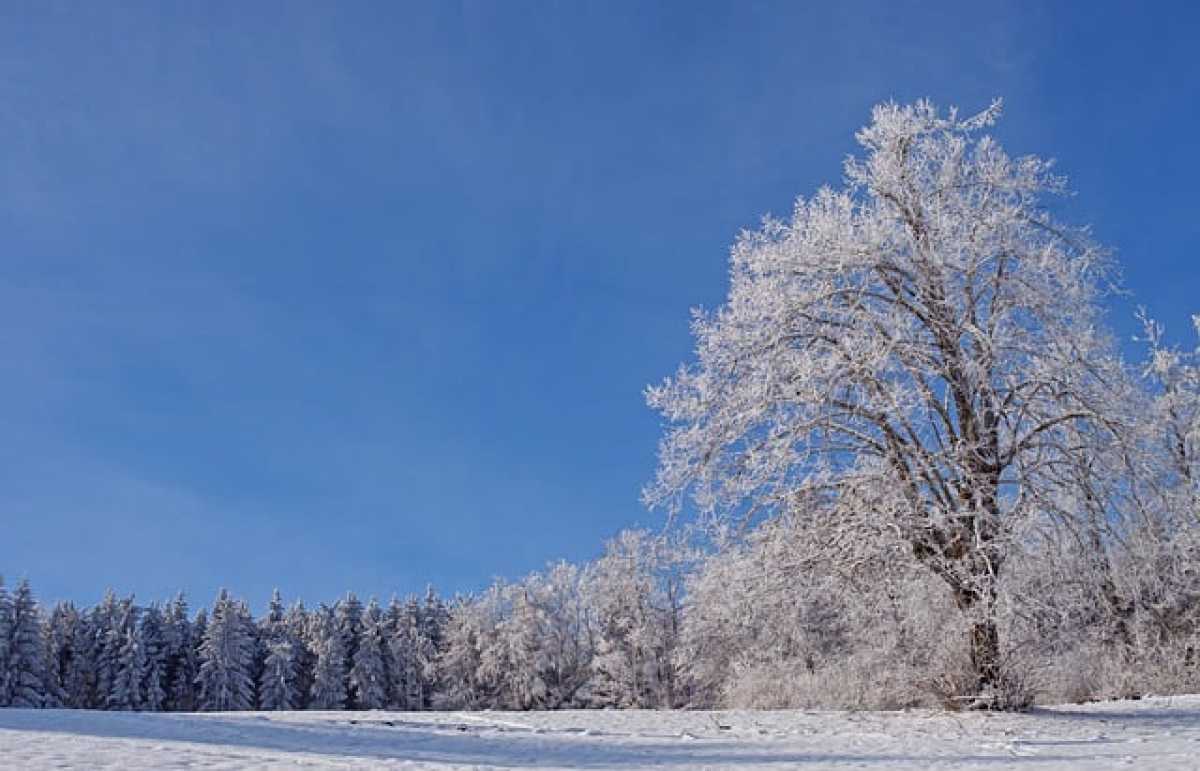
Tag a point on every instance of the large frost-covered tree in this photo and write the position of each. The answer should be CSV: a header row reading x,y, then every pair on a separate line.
x,y
913,358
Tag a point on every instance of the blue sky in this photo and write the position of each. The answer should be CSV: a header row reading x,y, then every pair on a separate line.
x,y
364,296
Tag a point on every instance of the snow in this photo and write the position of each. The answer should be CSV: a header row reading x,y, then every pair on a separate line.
x,y
1159,733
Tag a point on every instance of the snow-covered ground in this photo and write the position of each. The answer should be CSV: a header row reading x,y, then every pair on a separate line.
x,y
1156,733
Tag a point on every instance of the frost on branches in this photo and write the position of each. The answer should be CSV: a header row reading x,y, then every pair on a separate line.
x,y
913,359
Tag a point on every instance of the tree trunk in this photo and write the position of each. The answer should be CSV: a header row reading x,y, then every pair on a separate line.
x,y
984,642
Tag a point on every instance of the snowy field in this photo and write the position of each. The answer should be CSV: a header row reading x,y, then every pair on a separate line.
x,y
1153,733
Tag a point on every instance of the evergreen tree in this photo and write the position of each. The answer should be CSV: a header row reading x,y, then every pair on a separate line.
x,y
348,618
433,619
107,638
400,628
278,682
155,653
369,681
26,654
329,674
59,633
304,656
79,676
182,665
226,658
129,670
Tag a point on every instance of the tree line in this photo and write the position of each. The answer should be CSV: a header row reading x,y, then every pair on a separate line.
x,y
597,636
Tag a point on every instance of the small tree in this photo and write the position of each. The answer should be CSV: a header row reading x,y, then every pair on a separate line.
x,y
910,359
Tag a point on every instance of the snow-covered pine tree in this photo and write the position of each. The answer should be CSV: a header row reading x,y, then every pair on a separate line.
x,y
26,653
404,660
329,673
107,637
304,657
434,616
226,658
155,651
58,634
79,677
348,618
127,691
277,683
181,652
278,686
369,681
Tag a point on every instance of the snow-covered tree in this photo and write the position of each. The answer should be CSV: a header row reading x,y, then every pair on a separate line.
x,y
348,613
181,649
127,689
304,657
635,600
909,359
409,655
369,677
329,672
108,634
79,673
567,632
278,683
459,660
155,652
59,638
226,658
26,660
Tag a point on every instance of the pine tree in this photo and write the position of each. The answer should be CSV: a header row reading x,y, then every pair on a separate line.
x,y
79,676
434,617
26,654
129,670
155,653
181,656
226,658
329,674
107,638
401,630
59,636
304,656
348,618
278,682
369,681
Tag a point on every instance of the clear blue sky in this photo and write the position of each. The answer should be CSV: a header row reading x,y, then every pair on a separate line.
x,y
363,296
